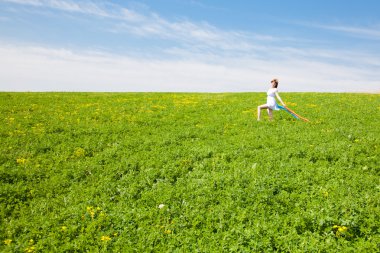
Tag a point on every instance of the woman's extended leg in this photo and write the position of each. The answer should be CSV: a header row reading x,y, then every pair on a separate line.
x,y
259,108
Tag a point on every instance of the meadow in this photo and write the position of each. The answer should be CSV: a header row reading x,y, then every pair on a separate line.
x,y
184,172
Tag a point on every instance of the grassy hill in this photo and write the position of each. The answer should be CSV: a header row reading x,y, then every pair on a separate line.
x,y
124,172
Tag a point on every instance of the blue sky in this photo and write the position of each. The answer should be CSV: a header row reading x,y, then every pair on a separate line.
x,y
189,45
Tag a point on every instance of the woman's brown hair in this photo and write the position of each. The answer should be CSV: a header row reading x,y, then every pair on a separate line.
x,y
275,81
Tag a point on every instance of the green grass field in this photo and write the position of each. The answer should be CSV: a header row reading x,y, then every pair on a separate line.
x,y
176,172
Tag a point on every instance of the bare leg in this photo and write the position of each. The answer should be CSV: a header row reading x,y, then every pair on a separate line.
x,y
259,108
270,113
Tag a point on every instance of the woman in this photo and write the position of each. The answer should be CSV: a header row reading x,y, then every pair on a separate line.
x,y
271,101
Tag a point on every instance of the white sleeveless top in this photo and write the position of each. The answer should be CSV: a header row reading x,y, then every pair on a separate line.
x,y
271,98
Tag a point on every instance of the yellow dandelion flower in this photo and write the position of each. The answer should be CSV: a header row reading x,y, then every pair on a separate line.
x,y
30,249
342,229
21,161
79,152
63,228
168,231
91,211
105,238
7,242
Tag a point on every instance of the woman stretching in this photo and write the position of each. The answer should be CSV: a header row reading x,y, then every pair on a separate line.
x,y
271,100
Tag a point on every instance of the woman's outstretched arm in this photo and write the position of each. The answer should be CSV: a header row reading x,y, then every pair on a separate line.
x,y
279,98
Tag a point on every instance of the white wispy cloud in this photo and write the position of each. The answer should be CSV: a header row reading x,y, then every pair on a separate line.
x,y
367,32
151,24
3,19
372,33
86,7
25,2
28,68
60,69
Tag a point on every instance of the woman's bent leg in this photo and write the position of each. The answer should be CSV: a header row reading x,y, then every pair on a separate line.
x,y
270,113
259,108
